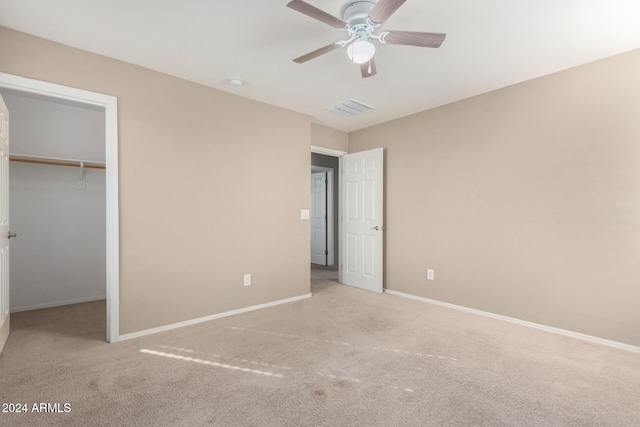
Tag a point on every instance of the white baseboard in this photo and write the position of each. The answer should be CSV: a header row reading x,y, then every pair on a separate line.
x,y
583,337
207,318
56,304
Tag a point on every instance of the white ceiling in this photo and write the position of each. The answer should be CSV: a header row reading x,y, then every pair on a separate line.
x,y
490,44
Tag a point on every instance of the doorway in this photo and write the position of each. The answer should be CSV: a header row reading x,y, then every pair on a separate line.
x,y
57,194
360,204
108,105
325,256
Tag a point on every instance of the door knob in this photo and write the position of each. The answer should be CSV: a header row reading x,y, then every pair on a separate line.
x,y
10,235
377,228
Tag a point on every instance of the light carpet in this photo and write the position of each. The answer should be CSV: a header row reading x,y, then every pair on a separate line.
x,y
344,357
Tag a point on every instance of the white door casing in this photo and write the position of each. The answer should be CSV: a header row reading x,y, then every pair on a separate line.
x,y
362,235
319,218
4,224
110,105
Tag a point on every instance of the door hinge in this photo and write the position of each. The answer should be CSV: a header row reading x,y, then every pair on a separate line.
x,y
326,252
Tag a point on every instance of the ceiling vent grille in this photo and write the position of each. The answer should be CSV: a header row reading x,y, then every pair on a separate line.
x,y
349,108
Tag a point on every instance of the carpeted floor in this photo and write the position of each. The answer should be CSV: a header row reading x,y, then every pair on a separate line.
x,y
344,357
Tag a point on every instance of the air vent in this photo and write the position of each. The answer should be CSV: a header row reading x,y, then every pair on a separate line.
x,y
349,108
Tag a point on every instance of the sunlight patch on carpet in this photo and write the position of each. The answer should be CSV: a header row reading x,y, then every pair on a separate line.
x,y
209,363
218,356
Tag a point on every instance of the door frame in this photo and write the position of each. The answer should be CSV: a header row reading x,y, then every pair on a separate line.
x,y
110,105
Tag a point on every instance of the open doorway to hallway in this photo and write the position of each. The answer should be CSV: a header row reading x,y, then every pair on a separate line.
x,y
324,184
324,210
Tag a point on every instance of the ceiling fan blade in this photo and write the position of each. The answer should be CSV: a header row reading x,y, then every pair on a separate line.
x,y
315,13
309,56
412,38
368,69
383,10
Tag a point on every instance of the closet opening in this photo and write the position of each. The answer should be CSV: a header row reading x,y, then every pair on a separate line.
x,y
63,193
57,208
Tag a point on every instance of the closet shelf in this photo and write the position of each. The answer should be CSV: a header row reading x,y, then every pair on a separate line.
x,y
56,161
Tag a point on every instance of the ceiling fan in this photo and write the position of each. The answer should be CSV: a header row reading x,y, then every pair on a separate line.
x,y
360,19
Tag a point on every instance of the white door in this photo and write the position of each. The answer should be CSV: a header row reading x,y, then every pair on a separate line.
x,y
362,236
319,218
4,223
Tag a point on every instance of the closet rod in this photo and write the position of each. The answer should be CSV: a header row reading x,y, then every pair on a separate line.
x,y
55,161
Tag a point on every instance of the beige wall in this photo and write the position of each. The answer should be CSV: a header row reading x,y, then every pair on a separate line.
x,y
322,136
525,201
211,187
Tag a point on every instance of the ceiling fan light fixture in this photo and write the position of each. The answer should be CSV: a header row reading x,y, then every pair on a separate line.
x,y
361,51
361,19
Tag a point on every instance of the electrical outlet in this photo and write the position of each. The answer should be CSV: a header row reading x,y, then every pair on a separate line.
x,y
247,280
430,274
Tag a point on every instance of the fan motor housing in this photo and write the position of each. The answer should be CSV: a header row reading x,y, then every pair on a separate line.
x,y
356,13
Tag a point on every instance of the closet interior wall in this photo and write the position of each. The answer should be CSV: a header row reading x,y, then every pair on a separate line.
x,y
57,209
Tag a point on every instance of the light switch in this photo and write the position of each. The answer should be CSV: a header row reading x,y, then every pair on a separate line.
x,y
304,214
